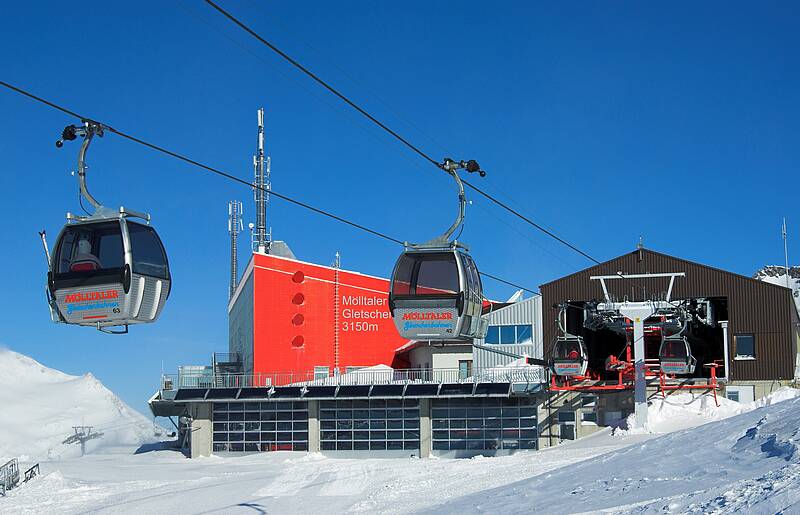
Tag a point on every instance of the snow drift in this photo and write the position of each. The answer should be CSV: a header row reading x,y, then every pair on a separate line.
x,y
747,462
39,406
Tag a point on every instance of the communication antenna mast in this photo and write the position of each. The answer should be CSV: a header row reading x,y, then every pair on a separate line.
x,y
262,236
785,251
235,226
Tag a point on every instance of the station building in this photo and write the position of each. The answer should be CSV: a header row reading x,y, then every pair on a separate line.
x,y
315,364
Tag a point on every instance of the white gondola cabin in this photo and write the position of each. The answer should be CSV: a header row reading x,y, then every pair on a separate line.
x,y
569,356
436,294
106,270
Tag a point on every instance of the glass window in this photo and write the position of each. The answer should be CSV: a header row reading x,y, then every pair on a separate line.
x,y
148,253
493,334
588,401
745,345
589,418
566,416
464,369
733,396
524,334
426,274
91,247
437,274
507,334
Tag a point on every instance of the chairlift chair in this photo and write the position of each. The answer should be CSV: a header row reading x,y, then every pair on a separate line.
x,y
106,269
675,354
436,291
570,357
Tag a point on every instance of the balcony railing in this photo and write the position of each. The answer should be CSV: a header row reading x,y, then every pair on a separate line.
x,y
367,377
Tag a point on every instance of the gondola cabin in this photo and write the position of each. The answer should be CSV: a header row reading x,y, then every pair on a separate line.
x,y
436,294
675,356
108,272
569,356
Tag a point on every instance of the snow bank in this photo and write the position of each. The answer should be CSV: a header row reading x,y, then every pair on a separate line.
x,y
747,462
686,410
39,406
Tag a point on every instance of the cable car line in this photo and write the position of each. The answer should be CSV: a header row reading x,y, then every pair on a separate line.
x,y
322,83
228,175
397,136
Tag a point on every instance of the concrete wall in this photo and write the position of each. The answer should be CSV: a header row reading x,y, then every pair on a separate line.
x,y
200,430
425,434
760,388
313,426
439,356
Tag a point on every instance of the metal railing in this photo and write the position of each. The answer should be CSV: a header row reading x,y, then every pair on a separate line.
x,y
367,377
9,475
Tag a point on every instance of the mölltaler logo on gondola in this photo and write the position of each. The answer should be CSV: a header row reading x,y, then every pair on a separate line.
x,y
419,315
90,296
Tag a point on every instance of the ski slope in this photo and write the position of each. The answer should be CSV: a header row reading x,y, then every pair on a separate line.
x,y
748,463
39,406
692,457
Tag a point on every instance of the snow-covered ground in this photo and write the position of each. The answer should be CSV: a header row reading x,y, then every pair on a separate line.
x,y
692,457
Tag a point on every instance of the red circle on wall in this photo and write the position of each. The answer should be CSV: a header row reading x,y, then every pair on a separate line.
x,y
298,299
298,341
298,277
298,319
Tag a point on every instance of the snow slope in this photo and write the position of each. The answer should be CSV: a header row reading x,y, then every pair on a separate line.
x,y
39,406
749,463
693,457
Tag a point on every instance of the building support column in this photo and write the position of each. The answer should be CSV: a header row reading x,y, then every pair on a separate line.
x,y
425,430
544,421
200,429
313,426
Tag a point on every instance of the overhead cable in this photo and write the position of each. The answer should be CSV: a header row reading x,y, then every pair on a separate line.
x,y
225,175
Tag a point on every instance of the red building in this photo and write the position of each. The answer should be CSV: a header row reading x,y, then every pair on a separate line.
x,y
292,316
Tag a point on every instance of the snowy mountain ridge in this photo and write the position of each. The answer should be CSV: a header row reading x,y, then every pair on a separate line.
x,y
40,405
776,274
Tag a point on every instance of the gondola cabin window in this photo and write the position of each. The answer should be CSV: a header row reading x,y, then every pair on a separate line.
x,y
149,257
90,248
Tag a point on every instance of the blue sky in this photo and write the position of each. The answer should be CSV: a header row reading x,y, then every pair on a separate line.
x,y
678,122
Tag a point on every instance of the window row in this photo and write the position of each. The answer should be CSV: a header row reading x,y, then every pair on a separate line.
x,y
479,434
482,423
338,414
481,445
409,423
261,426
509,334
261,415
369,403
259,447
368,435
263,437
260,406
483,412
485,402
361,445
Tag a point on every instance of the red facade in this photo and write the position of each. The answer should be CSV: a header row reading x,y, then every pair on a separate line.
x,y
307,315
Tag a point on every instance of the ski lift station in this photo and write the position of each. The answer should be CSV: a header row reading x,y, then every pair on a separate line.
x,y
315,361
323,359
